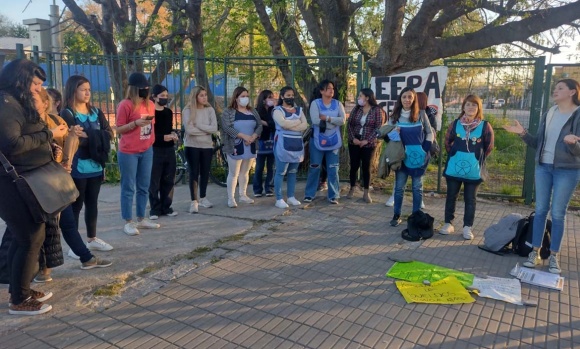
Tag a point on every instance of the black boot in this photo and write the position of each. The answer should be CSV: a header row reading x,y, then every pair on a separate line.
x,y
396,220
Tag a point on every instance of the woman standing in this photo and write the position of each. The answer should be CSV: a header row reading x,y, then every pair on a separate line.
x,y
414,130
557,167
200,122
264,105
164,162
95,134
241,127
327,116
25,142
289,148
135,119
364,121
468,141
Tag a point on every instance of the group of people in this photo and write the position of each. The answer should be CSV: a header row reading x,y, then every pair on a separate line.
x,y
78,135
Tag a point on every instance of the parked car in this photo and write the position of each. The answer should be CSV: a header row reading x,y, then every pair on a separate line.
x,y
499,103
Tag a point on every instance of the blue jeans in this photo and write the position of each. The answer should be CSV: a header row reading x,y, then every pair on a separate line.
x,y
70,233
332,165
135,174
556,185
268,161
417,187
289,169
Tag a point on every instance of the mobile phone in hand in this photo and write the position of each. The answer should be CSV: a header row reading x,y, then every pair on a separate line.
x,y
149,117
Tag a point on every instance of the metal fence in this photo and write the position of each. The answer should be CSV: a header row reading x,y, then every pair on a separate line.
x,y
511,89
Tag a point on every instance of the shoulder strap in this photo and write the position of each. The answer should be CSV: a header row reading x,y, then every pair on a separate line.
x,y
8,167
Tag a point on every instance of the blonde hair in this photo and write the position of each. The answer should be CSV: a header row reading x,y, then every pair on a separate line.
x,y
45,98
192,103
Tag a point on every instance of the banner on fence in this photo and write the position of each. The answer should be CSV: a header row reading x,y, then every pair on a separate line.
x,y
429,80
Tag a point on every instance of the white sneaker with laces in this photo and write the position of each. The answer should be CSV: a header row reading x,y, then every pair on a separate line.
x,y
246,200
281,204
98,245
172,214
147,224
467,233
554,265
204,202
72,255
447,229
422,204
194,207
292,201
533,260
232,203
154,217
131,229
390,201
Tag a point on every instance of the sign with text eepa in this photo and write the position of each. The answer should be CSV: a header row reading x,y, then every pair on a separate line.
x,y
429,80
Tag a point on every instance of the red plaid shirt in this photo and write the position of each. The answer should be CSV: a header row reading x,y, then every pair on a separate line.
x,y
375,119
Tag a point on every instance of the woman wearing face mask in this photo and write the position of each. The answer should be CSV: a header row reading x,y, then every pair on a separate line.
x,y
135,120
241,127
468,141
200,123
164,163
557,167
264,105
289,149
414,130
364,121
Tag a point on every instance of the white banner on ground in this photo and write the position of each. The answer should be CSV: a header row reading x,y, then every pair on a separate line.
x,y
429,80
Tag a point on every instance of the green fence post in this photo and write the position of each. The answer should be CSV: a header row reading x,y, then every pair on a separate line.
x,y
547,87
49,75
35,54
535,112
19,51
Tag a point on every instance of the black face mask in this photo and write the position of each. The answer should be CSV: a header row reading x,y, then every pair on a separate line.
x,y
163,101
143,92
289,101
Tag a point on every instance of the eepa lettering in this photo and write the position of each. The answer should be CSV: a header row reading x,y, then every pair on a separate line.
x,y
388,87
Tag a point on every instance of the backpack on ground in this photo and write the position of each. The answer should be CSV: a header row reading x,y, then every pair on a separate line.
x,y
419,226
522,242
498,237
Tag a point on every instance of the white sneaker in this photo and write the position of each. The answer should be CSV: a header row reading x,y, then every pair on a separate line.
x,y
72,255
447,229
194,207
98,245
292,201
390,201
147,224
172,214
131,229
154,217
467,234
422,204
204,202
281,204
232,203
533,259
246,200
554,265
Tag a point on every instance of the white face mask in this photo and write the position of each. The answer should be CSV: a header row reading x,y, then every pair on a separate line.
x,y
270,103
361,102
243,101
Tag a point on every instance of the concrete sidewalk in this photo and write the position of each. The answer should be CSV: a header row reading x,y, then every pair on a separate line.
x,y
309,277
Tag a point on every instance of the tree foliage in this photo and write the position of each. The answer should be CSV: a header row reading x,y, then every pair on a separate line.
x,y
12,29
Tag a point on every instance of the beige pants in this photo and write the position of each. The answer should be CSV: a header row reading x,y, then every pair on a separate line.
x,y
238,173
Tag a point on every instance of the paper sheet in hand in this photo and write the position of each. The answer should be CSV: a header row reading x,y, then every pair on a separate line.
x,y
418,271
503,289
446,291
538,277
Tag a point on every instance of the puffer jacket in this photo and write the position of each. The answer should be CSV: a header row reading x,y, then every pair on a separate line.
x,y
393,155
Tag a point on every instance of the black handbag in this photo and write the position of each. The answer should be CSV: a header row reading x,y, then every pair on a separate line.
x,y
47,190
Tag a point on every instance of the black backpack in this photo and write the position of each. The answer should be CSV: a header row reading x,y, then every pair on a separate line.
x,y
522,242
419,226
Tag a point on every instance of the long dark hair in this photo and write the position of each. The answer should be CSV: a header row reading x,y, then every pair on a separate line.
x,y
572,85
283,92
70,90
370,95
316,93
399,106
16,79
261,107
56,98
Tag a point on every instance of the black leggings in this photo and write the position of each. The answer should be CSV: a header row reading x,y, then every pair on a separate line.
x,y
358,154
89,189
26,241
199,161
